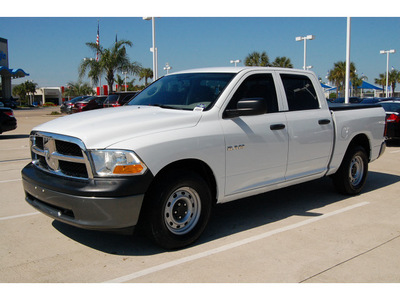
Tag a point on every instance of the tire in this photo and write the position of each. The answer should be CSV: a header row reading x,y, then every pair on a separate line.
x,y
177,209
352,174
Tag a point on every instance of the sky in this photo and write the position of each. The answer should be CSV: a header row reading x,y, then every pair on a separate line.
x,y
51,45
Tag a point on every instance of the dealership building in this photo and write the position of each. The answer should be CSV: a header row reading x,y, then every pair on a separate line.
x,y
7,73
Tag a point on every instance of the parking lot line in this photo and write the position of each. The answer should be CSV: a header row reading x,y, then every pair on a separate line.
x,y
10,180
230,246
19,216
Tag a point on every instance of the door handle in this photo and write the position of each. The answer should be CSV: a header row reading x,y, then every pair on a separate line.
x,y
277,126
324,122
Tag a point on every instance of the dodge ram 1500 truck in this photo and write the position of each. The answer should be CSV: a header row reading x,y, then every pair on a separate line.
x,y
193,139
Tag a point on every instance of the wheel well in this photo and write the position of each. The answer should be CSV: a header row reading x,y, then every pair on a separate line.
x,y
363,141
193,165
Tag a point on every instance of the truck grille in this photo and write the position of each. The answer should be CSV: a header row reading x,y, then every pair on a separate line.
x,y
61,155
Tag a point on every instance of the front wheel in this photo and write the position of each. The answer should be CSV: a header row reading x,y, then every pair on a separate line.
x,y
352,174
178,209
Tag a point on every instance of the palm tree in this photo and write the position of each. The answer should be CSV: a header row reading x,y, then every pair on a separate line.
x,y
282,62
394,77
114,59
75,89
145,73
257,59
120,82
338,74
20,91
381,80
357,82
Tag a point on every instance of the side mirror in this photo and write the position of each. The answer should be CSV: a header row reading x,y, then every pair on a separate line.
x,y
247,107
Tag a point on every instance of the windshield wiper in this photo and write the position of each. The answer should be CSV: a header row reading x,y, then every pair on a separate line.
x,y
164,106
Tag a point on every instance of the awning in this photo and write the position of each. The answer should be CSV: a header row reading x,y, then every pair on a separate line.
x,y
367,86
14,73
325,86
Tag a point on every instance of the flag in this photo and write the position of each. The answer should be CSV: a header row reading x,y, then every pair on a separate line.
x,y
97,41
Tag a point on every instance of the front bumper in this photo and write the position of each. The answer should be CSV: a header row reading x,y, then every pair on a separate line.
x,y
100,204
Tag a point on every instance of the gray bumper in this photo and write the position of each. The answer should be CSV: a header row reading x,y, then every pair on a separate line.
x,y
100,213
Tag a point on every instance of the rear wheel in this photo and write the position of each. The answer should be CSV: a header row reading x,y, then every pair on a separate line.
x,y
177,209
352,174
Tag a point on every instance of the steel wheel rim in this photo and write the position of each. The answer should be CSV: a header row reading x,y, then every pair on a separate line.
x,y
182,210
356,171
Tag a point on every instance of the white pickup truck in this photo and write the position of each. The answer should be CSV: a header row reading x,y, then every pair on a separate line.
x,y
194,139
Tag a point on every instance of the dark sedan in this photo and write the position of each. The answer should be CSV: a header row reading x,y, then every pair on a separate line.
x,y
94,102
7,119
66,106
392,109
119,98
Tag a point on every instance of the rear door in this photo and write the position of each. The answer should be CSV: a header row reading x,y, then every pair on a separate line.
x,y
310,127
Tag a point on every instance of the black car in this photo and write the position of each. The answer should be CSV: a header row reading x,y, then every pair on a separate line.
x,y
9,103
392,109
119,98
66,106
89,103
351,100
7,119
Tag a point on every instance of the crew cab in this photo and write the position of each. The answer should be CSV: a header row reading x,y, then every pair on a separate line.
x,y
193,139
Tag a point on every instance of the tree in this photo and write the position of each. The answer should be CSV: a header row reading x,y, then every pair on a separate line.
x,y
26,88
257,59
282,62
394,77
113,59
145,73
338,74
356,81
381,80
75,89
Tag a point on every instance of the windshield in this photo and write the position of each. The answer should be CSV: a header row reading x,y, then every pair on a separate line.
x,y
184,91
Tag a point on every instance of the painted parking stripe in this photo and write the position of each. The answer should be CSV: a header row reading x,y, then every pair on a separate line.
x,y
19,216
11,180
230,246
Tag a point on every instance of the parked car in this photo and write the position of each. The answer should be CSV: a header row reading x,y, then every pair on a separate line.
x,y
370,100
392,109
9,103
93,102
351,100
66,106
119,98
7,119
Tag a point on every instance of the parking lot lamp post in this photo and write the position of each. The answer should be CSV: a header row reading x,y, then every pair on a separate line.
x,y
305,38
167,67
387,66
153,49
235,62
125,78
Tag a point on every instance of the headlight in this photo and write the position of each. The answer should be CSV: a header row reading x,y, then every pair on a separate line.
x,y
117,162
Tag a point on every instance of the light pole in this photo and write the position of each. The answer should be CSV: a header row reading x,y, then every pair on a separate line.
x,y
125,78
387,66
305,38
235,62
153,49
167,67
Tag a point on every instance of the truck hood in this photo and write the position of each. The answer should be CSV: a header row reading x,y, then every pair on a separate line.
x,y
102,128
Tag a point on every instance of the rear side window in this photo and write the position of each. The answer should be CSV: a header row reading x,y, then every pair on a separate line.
x,y
300,92
257,86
